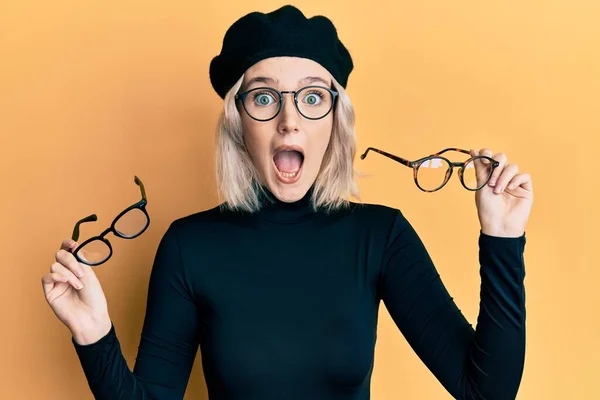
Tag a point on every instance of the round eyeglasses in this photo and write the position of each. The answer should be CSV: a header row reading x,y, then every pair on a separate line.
x,y
265,103
431,173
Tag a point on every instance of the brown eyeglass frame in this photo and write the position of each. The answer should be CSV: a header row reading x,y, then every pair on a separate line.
x,y
417,163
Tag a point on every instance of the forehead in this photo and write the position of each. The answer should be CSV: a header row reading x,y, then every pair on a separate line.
x,y
286,72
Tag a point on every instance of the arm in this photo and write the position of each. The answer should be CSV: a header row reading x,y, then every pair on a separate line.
x,y
486,363
168,343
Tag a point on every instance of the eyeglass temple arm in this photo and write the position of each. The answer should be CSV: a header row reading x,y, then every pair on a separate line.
x,y
89,218
494,163
449,149
383,153
141,185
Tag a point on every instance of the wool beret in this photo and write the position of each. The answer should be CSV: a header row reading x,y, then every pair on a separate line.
x,y
283,32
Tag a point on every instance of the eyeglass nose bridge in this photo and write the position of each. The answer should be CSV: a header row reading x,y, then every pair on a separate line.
x,y
294,94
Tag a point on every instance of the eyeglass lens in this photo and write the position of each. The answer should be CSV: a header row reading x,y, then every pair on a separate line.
x,y
313,102
432,173
94,252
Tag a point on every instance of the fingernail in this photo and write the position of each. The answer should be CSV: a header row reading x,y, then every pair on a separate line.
x,y
79,285
80,273
498,189
492,182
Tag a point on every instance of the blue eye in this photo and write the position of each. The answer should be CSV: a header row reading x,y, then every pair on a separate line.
x,y
314,98
263,99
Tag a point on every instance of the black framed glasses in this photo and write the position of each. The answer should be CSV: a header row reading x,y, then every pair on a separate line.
x,y
432,172
265,103
129,224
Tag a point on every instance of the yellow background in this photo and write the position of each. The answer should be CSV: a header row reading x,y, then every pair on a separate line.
x,y
92,93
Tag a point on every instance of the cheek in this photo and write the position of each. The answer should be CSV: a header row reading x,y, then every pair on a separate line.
x,y
255,140
320,141
317,146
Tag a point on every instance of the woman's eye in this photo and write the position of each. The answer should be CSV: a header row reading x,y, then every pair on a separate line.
x,y
263,99
312,99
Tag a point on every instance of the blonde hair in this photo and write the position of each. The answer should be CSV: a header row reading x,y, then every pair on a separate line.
x,y
237,178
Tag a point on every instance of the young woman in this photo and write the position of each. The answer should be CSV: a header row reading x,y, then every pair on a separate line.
x,y
280,285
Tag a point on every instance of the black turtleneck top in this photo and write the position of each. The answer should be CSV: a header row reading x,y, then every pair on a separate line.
x,y
284,305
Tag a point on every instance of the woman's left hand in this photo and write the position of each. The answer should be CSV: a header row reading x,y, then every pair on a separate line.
x,y
504,203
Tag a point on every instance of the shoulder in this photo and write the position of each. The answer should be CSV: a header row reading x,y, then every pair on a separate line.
x,y
389,221
374,213
209,223
373,209
198,219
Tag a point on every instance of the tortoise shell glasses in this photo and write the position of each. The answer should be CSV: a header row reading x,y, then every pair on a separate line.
x,y
432,172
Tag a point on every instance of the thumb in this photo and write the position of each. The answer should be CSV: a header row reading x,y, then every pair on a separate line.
x,y
69,245
482,168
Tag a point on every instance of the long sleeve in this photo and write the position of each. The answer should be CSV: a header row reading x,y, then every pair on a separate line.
x,y
482,363
168,344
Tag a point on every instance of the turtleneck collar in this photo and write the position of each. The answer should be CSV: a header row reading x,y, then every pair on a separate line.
x,y
277,211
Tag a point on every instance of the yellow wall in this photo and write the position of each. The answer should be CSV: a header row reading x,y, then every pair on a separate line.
x,y
92,93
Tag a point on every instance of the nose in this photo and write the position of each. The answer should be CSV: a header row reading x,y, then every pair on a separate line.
x,y
289,116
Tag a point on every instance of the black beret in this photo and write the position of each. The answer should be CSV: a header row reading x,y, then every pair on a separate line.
x,y
283,32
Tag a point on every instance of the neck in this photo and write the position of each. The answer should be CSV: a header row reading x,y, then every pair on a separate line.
x,y
275,210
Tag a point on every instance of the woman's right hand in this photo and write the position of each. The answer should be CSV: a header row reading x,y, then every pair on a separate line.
x,y
75,295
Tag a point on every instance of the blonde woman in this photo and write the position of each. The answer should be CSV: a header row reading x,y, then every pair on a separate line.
x,y
280,284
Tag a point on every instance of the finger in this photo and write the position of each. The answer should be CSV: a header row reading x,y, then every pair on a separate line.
x,y
71,278
68,245
485,152
523,180
50,279
502,160
68,260
482,167
507,175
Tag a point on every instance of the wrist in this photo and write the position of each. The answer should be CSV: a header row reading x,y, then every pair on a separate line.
x,y
91,330
497,232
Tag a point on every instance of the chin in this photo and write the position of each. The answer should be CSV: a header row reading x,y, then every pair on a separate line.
x,y
288,192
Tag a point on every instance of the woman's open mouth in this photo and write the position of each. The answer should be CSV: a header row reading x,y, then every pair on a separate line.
x,y
288,161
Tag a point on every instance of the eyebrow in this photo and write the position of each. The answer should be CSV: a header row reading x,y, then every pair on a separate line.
x,y
269,80
314,79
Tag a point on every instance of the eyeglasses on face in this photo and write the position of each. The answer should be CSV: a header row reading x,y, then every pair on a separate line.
x,y
128,224
265,103
432,172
